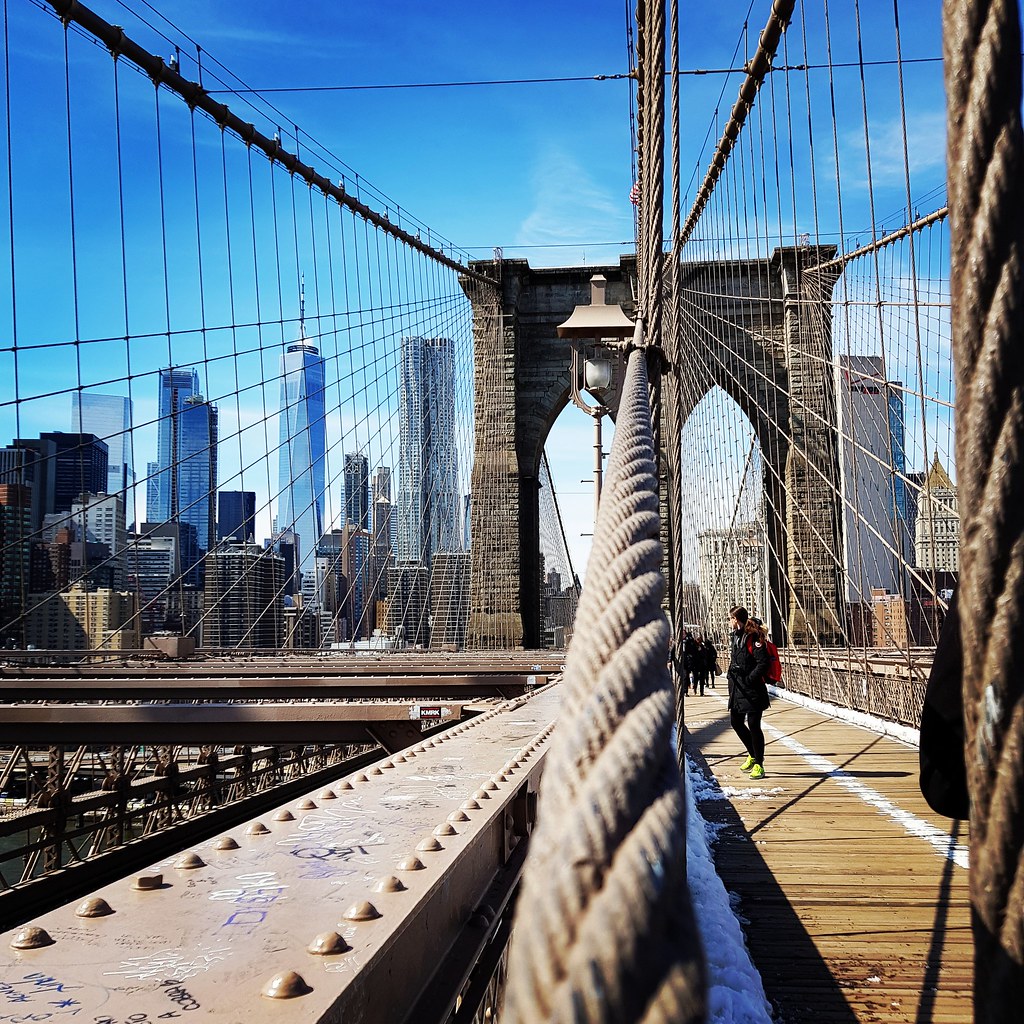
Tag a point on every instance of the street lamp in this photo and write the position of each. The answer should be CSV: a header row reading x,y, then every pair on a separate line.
x,y
593,332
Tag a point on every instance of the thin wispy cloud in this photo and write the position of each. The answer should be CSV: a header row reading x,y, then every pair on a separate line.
x,y
569,205
925,150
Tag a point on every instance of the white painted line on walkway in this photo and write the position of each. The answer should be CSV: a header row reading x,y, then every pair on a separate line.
x,y
943,844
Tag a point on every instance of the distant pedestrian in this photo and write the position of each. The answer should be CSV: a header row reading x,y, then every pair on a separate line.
x,y
691,660
711,660
700,666
748,694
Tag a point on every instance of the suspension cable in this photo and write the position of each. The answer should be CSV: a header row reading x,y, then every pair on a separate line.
x,y
985,160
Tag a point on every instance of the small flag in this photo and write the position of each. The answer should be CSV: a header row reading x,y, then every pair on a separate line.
x,y
634,193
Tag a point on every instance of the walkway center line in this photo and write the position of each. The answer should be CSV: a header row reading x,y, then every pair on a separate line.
x,y
943,844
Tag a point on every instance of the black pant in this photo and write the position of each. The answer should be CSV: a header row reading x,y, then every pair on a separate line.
x,y
750,733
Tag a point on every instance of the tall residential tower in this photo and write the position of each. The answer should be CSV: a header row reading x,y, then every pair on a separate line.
x,y
428,470
357,490
873,461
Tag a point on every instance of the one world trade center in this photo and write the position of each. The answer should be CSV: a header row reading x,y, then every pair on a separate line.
x,y
303,445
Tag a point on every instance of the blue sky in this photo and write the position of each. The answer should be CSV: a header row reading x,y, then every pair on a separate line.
x,y
541,170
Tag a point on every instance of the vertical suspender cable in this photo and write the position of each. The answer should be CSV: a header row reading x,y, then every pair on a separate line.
x,y
672,403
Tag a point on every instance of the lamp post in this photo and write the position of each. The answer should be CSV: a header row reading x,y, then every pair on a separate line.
x,y
593,332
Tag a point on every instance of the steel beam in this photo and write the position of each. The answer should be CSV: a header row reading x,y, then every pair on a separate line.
x,y
196,724
38,896
42,663
342,905
253,687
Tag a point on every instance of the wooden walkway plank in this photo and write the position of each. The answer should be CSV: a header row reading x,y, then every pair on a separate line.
x,y
853,894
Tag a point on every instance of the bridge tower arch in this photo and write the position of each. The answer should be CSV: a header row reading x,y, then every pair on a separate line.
x,y
521,385
759,329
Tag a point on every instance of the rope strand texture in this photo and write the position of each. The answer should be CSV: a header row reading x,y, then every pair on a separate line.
x,y
604,931
985,159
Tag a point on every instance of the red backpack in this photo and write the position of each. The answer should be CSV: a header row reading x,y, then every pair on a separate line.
x,y
774,665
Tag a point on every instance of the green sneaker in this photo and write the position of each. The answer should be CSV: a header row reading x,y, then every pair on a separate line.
x,y
757,772
747,765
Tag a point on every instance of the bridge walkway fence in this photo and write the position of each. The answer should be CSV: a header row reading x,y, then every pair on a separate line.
x,y
852,893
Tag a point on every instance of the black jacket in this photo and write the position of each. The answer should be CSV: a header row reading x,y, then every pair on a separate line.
x,y
710,656
691,655
943,770
747,671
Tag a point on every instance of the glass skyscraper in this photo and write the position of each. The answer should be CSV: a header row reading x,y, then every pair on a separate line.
x,y
236,515
303,447
428,468
872,455
81,462
184,478
357,490
109,417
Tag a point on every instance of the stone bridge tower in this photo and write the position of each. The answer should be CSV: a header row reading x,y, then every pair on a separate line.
x,y
521,384
759,329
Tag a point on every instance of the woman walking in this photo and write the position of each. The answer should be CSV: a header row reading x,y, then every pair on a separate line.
x,y
748,694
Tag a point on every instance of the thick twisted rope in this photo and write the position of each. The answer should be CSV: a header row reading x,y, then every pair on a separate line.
x,y
604,930
985,158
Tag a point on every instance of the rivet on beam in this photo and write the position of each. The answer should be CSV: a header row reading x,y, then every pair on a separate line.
x,y
364,910
327,944
95,906
31,937
286,985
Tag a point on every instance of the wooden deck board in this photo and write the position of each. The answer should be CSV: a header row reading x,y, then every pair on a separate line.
x,y
848,915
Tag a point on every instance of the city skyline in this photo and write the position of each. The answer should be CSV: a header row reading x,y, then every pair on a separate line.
x,y
556,190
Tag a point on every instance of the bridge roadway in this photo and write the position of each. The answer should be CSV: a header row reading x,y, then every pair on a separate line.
x,y
853,892
344,902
